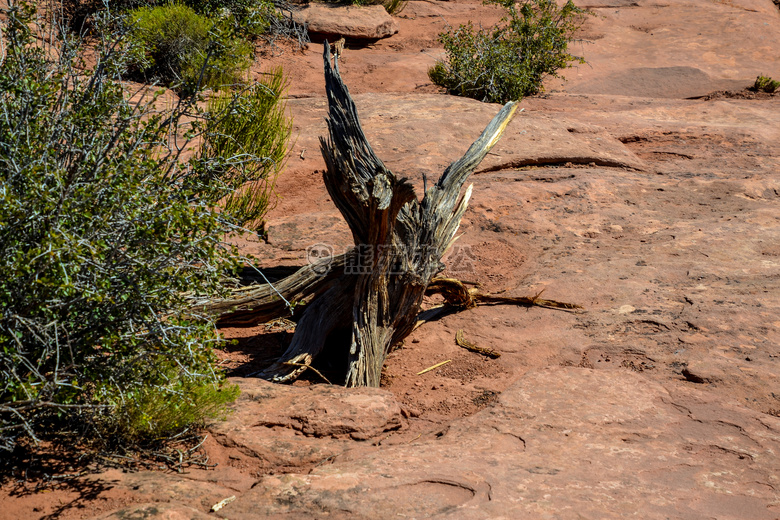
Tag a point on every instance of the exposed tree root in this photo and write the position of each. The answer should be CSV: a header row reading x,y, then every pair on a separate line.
x,y
371,295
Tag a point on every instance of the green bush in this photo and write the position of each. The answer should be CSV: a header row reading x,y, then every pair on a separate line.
x,y
766,84
510,60
251,18
102,232
246,137
185,50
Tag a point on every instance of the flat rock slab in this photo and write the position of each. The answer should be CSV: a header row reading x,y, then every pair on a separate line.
x,y
659,82
155,511
315,411
677,49
418,135
352,22
163,496
560,443
288,426
424,133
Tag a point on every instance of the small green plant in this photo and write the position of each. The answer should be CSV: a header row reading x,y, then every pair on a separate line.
x,y
182,49
509,61
246,137
394,6
766,84
150,412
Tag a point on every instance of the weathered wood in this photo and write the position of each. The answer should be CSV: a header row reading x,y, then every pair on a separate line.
x,y
377,288
263,302
321,317
458,296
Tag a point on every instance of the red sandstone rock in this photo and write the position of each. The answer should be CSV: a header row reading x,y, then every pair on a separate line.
x,y
156,511
671,248
352,22
314,411
568,443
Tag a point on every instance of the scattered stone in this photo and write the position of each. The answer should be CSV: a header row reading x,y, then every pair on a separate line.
x,y
702,372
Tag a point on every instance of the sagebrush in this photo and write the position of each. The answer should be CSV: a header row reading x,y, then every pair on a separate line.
x,y
104,231
511,60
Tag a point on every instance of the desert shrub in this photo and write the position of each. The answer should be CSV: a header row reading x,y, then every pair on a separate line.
x,y
102,231
246,137
79,15
510,60
182,49
766,84
251,18
283,27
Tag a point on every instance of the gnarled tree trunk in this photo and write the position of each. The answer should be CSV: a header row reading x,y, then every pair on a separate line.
x,y
376,289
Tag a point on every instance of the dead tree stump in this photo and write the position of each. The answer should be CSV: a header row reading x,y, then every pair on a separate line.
x,y
376,289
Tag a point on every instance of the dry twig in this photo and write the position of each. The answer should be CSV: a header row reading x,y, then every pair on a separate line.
x,y
437,365
461,341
